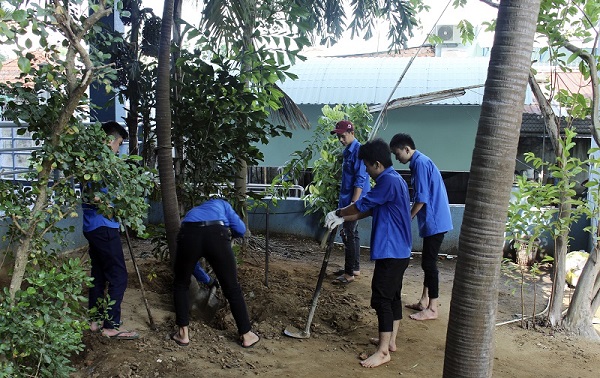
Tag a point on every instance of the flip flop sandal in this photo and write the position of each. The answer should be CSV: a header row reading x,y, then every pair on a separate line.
x,y
341,280
251,345
339,272
124,335
180,343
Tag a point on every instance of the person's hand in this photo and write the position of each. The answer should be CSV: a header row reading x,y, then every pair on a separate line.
x,y
332,220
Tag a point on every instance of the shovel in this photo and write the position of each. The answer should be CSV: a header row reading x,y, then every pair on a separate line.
x,y
294,332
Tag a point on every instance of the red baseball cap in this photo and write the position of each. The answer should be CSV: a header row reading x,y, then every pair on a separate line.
x,y
342,127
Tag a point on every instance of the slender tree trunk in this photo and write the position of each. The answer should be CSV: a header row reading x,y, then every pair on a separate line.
x,y
581,312
163,132
470,336
560,273
133,87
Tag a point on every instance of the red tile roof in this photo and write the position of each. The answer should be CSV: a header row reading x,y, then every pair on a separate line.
x,y
10,71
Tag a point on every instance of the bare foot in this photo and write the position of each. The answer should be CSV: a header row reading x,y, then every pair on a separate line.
x,y
376,359
375,341
426,314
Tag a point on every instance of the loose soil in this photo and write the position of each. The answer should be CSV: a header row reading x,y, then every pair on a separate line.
x,y
278,292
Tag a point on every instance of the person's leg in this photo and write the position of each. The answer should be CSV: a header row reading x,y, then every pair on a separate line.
x,y
356,238
96,291
188,252
220,256
398,267
384,287
431,248
348,236
116,275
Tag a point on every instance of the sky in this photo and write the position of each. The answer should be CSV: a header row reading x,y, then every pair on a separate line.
x,y
477,12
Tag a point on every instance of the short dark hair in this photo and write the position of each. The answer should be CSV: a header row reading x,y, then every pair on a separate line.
x,y
376,150
402,140
113,128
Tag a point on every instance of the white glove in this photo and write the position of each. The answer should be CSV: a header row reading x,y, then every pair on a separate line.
x,y
332,220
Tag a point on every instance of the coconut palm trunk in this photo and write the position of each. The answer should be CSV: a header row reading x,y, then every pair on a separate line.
x,y
470,336
163,132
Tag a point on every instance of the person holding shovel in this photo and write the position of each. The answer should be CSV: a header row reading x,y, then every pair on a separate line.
x,y
355,183
106,254
206,231
432,209
388,202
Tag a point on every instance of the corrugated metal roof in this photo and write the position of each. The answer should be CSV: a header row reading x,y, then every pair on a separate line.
x,y
370,80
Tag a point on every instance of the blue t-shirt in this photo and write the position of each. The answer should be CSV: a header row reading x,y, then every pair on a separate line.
x,y
389,199
429,189
217,210
354,175
93,220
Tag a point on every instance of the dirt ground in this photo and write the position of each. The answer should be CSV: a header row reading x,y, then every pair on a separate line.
x,y
278,293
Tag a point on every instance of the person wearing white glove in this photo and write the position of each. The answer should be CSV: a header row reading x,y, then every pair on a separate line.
x,y
332,220
388,202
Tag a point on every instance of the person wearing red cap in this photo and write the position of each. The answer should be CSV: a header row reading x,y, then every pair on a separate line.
x,y
355,184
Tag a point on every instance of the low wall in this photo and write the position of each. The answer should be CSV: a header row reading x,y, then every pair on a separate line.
x,y
287,218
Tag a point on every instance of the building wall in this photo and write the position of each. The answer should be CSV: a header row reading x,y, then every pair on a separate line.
x,y
445,133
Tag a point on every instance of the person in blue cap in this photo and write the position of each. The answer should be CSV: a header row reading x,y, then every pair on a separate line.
x,y
354,185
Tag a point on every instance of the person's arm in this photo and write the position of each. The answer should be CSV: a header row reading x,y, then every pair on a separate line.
x,y
417,206
351,213
356,194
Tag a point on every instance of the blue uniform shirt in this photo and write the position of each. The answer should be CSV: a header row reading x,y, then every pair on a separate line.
x,y
428,188
93,220
389,199
354,175
217,210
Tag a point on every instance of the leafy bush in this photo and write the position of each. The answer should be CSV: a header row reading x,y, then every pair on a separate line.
x,y
43,326
323,191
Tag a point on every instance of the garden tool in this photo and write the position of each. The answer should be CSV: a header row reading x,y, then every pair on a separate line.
x,y
294,332
152,325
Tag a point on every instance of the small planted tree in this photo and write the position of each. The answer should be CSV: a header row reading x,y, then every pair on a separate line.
x,y
324,153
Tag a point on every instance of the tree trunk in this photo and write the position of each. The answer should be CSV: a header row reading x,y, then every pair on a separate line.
x,y
584,304
560,274
163,132
470,341
133,86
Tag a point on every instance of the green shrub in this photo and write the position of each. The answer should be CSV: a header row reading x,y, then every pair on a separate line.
x,y
43,326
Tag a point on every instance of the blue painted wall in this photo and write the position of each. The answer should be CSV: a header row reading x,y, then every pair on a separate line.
x,y
287,218
444,133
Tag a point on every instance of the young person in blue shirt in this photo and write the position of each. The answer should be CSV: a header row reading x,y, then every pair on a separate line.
x,y
355,184
391,241
206,231
432,209
106,254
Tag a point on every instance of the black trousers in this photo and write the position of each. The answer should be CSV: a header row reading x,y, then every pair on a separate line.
x,y
431,249
386,291
214,244
108,267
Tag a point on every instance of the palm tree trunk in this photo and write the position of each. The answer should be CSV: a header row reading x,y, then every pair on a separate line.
x,y
163,132
470,336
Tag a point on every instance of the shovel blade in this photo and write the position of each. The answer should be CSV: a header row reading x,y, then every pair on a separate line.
x,y
294,332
